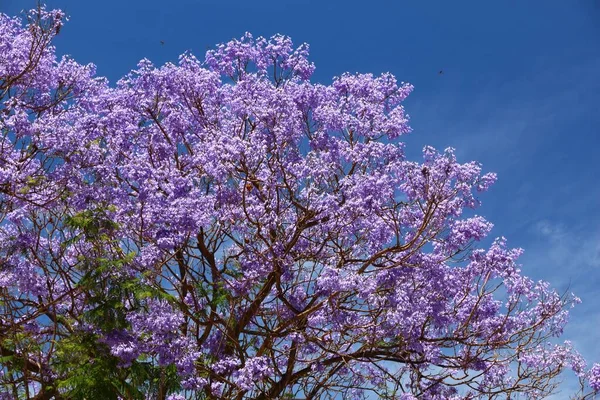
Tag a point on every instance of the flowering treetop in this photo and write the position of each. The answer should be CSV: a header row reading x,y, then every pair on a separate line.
x,y
228,229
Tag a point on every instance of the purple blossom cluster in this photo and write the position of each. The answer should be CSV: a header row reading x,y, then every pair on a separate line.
x,y
261,234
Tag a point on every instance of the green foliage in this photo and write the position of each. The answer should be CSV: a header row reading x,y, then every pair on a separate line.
x,y
94,224
88,368
90,372
32,182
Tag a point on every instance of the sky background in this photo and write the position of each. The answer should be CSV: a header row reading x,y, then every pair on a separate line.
x,y
520,92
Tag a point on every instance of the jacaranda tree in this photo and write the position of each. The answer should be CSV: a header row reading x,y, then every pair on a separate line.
x,y
227,229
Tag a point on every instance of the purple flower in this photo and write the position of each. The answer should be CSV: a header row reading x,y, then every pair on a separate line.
x,y
594,377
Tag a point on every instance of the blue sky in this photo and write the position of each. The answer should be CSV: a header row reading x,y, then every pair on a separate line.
x,y
520,93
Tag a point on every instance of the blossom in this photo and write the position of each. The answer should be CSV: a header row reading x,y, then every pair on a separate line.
x,y
594,377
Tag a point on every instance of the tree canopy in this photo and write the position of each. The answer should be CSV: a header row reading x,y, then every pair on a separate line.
x,y
228,229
